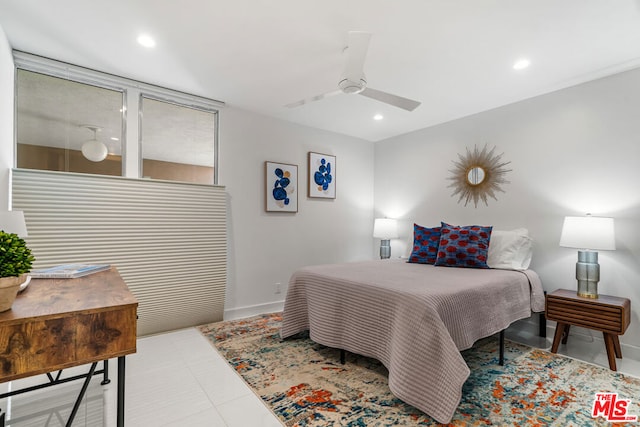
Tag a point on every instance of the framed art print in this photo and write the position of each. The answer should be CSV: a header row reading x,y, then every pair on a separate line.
x,y
322,175
281,190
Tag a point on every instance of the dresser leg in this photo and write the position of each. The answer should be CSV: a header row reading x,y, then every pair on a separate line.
x,y
565,333
560,328
616,346
611,352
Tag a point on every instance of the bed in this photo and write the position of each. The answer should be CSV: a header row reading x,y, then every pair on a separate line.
x,y
414,318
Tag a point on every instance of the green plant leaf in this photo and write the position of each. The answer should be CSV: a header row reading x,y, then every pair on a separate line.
x,y
15,256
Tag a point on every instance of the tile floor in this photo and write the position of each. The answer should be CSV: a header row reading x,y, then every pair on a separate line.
x,y
178,379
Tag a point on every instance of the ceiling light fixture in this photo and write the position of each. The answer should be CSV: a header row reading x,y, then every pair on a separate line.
x,y
93,149
146,40
521,64
378,117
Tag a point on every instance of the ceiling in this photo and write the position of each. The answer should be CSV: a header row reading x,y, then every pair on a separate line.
x,y
455,56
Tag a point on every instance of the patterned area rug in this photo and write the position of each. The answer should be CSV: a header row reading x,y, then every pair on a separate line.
x,y
304,383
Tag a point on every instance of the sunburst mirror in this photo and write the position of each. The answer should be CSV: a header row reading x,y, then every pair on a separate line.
x,y
477,175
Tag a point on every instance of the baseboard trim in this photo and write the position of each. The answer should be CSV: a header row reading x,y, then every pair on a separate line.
x,y
252,310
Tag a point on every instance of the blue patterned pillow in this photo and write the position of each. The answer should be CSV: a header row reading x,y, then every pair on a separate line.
x,y
425,244
464,246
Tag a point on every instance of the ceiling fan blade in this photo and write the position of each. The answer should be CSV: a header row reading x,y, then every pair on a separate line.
x,y
357,48
387,98
313,99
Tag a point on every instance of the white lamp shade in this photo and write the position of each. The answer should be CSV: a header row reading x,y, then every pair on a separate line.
x,y
94,150
13,222
588,232
385,228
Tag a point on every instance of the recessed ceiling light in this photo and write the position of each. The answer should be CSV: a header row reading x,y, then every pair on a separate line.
x,y
378,117
521,64
146,40
113,138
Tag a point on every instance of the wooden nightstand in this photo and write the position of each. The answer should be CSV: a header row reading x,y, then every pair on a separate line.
x,y
608,314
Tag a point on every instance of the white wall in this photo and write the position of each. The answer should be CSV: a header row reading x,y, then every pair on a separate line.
x,y
572,152
265,248
6,118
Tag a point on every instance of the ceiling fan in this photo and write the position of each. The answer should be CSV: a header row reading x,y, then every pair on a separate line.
x,y
353,80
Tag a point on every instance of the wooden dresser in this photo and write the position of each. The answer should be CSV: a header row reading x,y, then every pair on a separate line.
x,y
59,323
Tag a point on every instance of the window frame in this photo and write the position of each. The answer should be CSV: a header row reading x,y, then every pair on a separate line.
x,y
199,107
133,91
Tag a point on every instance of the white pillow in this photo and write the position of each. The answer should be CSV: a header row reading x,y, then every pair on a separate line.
x,y
510,250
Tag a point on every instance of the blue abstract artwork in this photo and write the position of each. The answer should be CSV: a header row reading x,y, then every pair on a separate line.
x,y
322,182
323,177
281,182
280,186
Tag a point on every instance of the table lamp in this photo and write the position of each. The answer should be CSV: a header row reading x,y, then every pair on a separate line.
x,y
385,229
12,222
589,234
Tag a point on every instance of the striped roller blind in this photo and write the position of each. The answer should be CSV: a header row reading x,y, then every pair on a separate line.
x,y
167,239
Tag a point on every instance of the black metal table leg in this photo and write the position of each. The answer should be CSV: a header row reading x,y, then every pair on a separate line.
x,y
53,381
121,367
542,325
105,372
85,384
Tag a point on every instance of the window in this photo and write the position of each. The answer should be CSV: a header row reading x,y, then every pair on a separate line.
x,y
177,142
73,119
168,239
64,125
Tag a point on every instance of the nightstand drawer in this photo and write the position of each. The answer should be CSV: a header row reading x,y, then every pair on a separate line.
x,y
606,314
592,317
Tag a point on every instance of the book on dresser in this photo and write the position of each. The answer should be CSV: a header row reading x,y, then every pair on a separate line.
x,y
68,271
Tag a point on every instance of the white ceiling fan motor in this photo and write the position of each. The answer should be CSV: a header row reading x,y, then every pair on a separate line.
x,y
352,86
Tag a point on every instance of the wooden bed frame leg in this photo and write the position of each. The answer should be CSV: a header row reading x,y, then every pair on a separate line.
x,y
501,348
342,357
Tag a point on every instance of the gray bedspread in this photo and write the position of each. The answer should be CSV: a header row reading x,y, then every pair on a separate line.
x,y
414,318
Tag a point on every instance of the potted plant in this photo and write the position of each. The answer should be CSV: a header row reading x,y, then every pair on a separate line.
x,y
15,263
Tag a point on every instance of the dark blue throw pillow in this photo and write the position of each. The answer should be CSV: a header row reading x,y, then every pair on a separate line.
x,y
466,246
425,244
